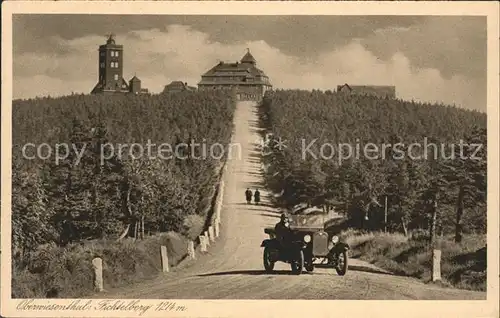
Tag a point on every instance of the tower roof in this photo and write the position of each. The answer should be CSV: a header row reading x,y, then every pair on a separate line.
x,y
135,79
248,58
111,44
111,39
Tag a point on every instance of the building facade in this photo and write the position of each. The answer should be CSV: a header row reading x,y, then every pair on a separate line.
x,y
110,70
370,90
244,78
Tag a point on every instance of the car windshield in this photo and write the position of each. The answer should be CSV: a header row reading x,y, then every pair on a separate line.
x,y
307,220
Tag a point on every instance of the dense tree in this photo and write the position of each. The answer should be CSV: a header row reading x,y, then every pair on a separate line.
x,y
31,215
426,190
113,179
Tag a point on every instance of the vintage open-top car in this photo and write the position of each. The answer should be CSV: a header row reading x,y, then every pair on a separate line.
x,y
307,243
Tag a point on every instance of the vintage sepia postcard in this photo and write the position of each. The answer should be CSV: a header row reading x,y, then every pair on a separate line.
x,y
249,159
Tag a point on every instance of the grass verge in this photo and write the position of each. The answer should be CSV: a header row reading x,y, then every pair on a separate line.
x,y
463,265
55,272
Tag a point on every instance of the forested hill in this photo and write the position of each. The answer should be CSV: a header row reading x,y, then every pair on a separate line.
x,y
99,194
127,118
345,118
358,186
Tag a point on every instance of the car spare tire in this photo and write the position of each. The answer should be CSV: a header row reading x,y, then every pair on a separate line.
x,y
309,266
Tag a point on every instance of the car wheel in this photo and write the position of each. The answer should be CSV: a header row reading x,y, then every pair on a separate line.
x,y
309,266
298,263
268,263
342,263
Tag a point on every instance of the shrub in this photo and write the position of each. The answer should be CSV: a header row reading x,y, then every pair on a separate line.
x,y
58,202
354,185
195,224
463,265
67,272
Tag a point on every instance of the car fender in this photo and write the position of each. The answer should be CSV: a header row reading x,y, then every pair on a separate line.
x,y
299,245
340,247
273,243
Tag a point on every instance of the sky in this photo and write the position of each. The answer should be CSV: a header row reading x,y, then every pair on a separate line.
x,y
427,58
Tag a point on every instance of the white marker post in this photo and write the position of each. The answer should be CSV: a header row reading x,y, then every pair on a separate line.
x,y
436,265
164,259
216,228
203,244
191,252
98,280
207,241
211,233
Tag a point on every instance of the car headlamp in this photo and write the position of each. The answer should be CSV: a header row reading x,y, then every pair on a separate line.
x,y
307,238
335,239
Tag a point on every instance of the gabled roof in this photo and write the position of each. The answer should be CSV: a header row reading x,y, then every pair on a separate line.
x,y
123,87
135,79
124,84
345,85
248,58
246,70
228,69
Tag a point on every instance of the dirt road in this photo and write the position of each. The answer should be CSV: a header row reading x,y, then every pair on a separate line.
x,y
233,267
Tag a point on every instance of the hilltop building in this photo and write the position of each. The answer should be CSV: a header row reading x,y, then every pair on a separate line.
x,y
243,77
111,71
178,86
370,90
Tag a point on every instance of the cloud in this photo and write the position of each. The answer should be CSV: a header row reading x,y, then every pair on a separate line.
x,y
455,45
181,53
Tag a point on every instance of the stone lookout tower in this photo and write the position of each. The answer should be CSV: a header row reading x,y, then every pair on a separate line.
x,y
110,70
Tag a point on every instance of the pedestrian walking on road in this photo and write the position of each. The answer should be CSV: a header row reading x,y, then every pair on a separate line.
x,y
248,195
256,196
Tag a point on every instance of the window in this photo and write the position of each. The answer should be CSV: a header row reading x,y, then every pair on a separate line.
x,y
116,77
116,53
116,64
102,53
112,64
102,65
112,53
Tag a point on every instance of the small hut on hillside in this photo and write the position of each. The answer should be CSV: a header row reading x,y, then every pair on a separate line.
x,y
370,90
178,86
